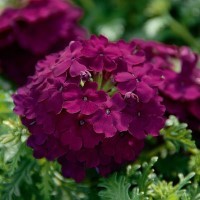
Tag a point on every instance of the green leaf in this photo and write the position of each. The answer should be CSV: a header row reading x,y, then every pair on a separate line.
x,y
194,165
45,186
116,188
177,134
166,191
142,175
11,187
136,195
6,105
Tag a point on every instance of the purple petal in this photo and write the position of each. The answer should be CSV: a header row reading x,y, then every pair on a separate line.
x,y
54,103
71,92
121,121
123,77
97,64
76,68
62,67
109,65
72,106
129,86
144,92
117,102
136,59
70,138
88,108
90,138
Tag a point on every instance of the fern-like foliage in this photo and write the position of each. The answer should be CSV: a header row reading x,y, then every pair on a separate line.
x,y
166,191
116,188
45,186
177,134
194,165
141,182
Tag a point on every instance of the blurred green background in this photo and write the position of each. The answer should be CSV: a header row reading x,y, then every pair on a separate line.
x,y
169,21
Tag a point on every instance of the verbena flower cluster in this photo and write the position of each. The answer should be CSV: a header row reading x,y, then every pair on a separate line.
x,y
91,106
34,30
181,86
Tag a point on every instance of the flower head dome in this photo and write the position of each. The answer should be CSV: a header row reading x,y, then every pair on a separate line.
x,y
91,106
35,29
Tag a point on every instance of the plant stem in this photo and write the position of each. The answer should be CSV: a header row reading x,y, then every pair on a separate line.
x,y
113,91
99,80
180,30
107,85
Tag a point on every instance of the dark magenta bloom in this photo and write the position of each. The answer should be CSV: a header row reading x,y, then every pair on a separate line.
x,y
110,118
181,74
78,113
144,117
100,54
85,100
70,60
140,80
37,28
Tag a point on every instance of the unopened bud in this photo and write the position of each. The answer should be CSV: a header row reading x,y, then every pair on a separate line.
x,y
85,75
131,95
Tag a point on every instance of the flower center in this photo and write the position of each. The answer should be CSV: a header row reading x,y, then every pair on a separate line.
x,y
85,98
60,89
131,95
122,134
138,80
108,111
162,77
101,54
73,58
32,123
133,74
81,122
85,75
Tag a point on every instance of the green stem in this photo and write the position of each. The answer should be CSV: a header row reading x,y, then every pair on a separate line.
x,y
113,91
155,152
99,80
180,30
158,150
107,85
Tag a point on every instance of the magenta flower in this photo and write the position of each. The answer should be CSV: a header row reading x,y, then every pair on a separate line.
x,y
140,80
144,117
100,54
59,20
78,113
110,118
113,147
85,100
128,56
79,130
70,60
181,74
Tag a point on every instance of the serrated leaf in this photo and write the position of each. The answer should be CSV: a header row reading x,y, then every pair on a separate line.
x,y
11,188
115,188
178,134
45,186
136,195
